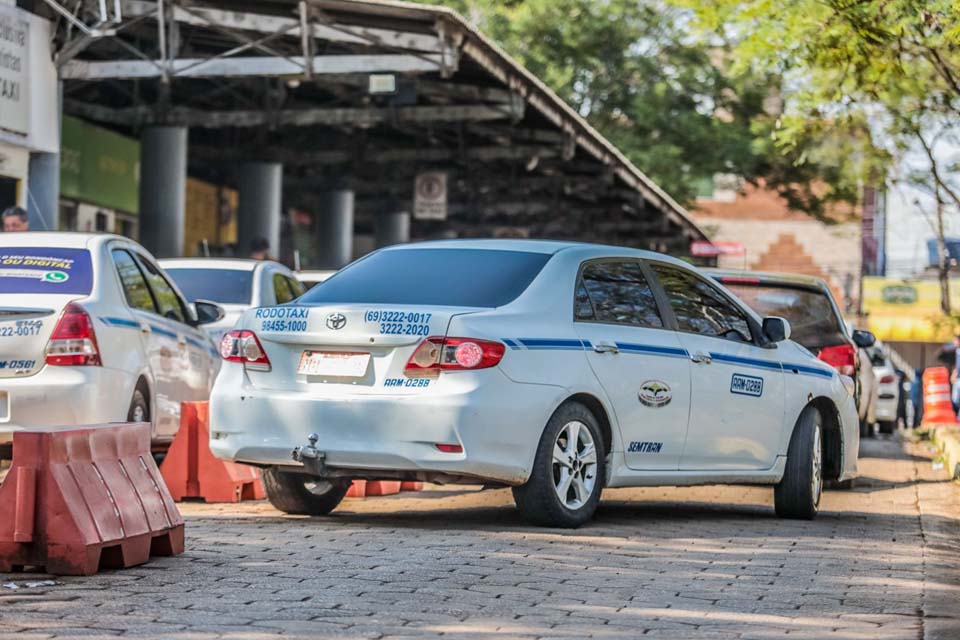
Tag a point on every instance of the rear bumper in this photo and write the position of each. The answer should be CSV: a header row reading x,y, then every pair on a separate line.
x,y
59,396
497,422
886,409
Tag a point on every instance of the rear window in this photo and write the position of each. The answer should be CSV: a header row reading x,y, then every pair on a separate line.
x,y
45,270
813,321
440,277
226,286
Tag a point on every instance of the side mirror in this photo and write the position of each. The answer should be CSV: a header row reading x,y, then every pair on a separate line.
x,y
863,339
776,329
208,312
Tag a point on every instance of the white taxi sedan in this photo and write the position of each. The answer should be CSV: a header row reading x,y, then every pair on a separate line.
x,y
554,368
92,331
234,284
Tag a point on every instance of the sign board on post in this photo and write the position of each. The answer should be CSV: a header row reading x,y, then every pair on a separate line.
x,y
430,196
14,70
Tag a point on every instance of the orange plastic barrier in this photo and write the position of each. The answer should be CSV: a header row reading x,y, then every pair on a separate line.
x,y
937,406
191,471
411,486
80,499
371,488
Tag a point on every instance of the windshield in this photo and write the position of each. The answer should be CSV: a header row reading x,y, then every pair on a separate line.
x,y
813,321
226,286
440,277
45,270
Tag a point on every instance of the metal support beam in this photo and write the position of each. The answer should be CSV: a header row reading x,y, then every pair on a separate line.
x,y
236,67
375,155
348,116
262,23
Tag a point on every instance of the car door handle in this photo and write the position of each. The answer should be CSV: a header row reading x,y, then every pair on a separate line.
x,y
182,341
144,328
701,357
606,347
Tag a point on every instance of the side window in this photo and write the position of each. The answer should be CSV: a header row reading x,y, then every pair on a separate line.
x,y
701,308
135,288
168,302
618,293
281,289
295,287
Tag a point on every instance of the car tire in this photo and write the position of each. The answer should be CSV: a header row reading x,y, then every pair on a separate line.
x,y
139,410
797,495
887,427
302,495
866,429
573,431
840,485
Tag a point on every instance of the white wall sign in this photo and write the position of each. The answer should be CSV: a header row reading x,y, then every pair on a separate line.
x,y
14,70
430,196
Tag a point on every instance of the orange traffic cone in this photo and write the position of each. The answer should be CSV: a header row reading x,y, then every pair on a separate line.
x,y
937,404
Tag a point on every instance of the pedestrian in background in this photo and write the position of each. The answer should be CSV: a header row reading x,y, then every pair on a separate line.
x,y
260,249
15,219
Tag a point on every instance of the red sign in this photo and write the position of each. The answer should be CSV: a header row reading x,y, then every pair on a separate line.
x,y
707,249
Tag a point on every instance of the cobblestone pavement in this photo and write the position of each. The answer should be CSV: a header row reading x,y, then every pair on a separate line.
x,y
882,561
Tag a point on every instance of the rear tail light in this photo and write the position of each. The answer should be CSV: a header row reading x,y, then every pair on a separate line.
x,y
449,448
243,346
73,341
436,354
843,358
888,379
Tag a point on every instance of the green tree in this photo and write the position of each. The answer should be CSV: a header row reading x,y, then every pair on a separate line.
x,y
674,102
894,64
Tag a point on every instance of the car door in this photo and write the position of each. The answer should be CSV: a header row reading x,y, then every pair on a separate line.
x,y
190,361
638,360
737,410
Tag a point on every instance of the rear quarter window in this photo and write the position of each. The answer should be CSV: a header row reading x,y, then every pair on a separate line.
x,y
45,270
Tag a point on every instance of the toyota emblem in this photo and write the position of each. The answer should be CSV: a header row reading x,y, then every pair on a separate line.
x,y
336,321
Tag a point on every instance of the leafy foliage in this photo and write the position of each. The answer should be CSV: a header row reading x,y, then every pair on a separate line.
x,y
677,104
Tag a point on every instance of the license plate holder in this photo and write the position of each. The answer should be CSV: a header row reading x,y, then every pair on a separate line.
x,y
334,364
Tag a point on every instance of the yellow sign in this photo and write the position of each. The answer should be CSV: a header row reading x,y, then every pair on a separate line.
x,y
210,215
907,310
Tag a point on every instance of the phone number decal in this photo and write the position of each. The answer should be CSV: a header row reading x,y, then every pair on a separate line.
x,y
280,326
377,315
22,328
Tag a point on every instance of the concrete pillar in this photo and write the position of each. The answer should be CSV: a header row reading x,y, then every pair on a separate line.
x,y
261,198
392,228
335,230
43,191
163,190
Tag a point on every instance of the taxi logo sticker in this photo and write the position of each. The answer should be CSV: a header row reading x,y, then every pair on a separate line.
x,y
336,321
655,394
746,385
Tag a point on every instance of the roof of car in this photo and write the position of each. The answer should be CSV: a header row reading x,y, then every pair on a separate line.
x,y
772,278
233,264
535,246
66,239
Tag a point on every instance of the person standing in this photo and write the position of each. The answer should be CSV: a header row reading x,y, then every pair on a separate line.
x,y
260,249
15,219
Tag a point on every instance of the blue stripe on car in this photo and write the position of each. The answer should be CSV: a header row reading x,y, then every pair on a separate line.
x,y
163,332
749,362
814,371
121,322
543,343
670,352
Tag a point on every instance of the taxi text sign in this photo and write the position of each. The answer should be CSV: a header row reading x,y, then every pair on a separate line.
x,y
14,70
430,196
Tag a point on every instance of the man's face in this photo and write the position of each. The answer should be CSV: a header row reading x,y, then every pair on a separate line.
x,y
14,223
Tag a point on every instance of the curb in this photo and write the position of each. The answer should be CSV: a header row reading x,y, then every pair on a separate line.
x,y
947,440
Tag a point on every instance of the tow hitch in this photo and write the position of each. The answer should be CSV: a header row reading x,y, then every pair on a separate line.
x,y
310,457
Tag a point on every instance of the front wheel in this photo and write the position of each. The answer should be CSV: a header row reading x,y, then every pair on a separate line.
x,y
299,494
568,470
798,493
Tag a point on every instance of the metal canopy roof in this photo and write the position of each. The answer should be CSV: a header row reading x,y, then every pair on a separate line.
x,y
290,81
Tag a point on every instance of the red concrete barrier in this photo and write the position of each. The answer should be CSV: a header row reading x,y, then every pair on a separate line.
x,y
411,486
372,488
937,404
358,489
81,499
191,471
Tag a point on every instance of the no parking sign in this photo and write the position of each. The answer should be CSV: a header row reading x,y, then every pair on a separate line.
x,y
430,196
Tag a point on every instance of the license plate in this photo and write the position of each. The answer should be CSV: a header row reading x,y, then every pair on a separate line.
x,y
341,364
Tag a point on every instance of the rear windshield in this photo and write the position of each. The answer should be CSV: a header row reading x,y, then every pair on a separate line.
x,y
226,286
45,270
440,277
813,321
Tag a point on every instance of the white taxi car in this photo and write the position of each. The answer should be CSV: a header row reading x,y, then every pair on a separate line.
x,y
234,284
554,368
92,331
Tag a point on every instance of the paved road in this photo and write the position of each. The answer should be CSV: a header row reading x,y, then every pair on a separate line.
x,y
882,561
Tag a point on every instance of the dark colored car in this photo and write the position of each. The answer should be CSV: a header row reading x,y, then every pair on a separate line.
x,y
815,322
